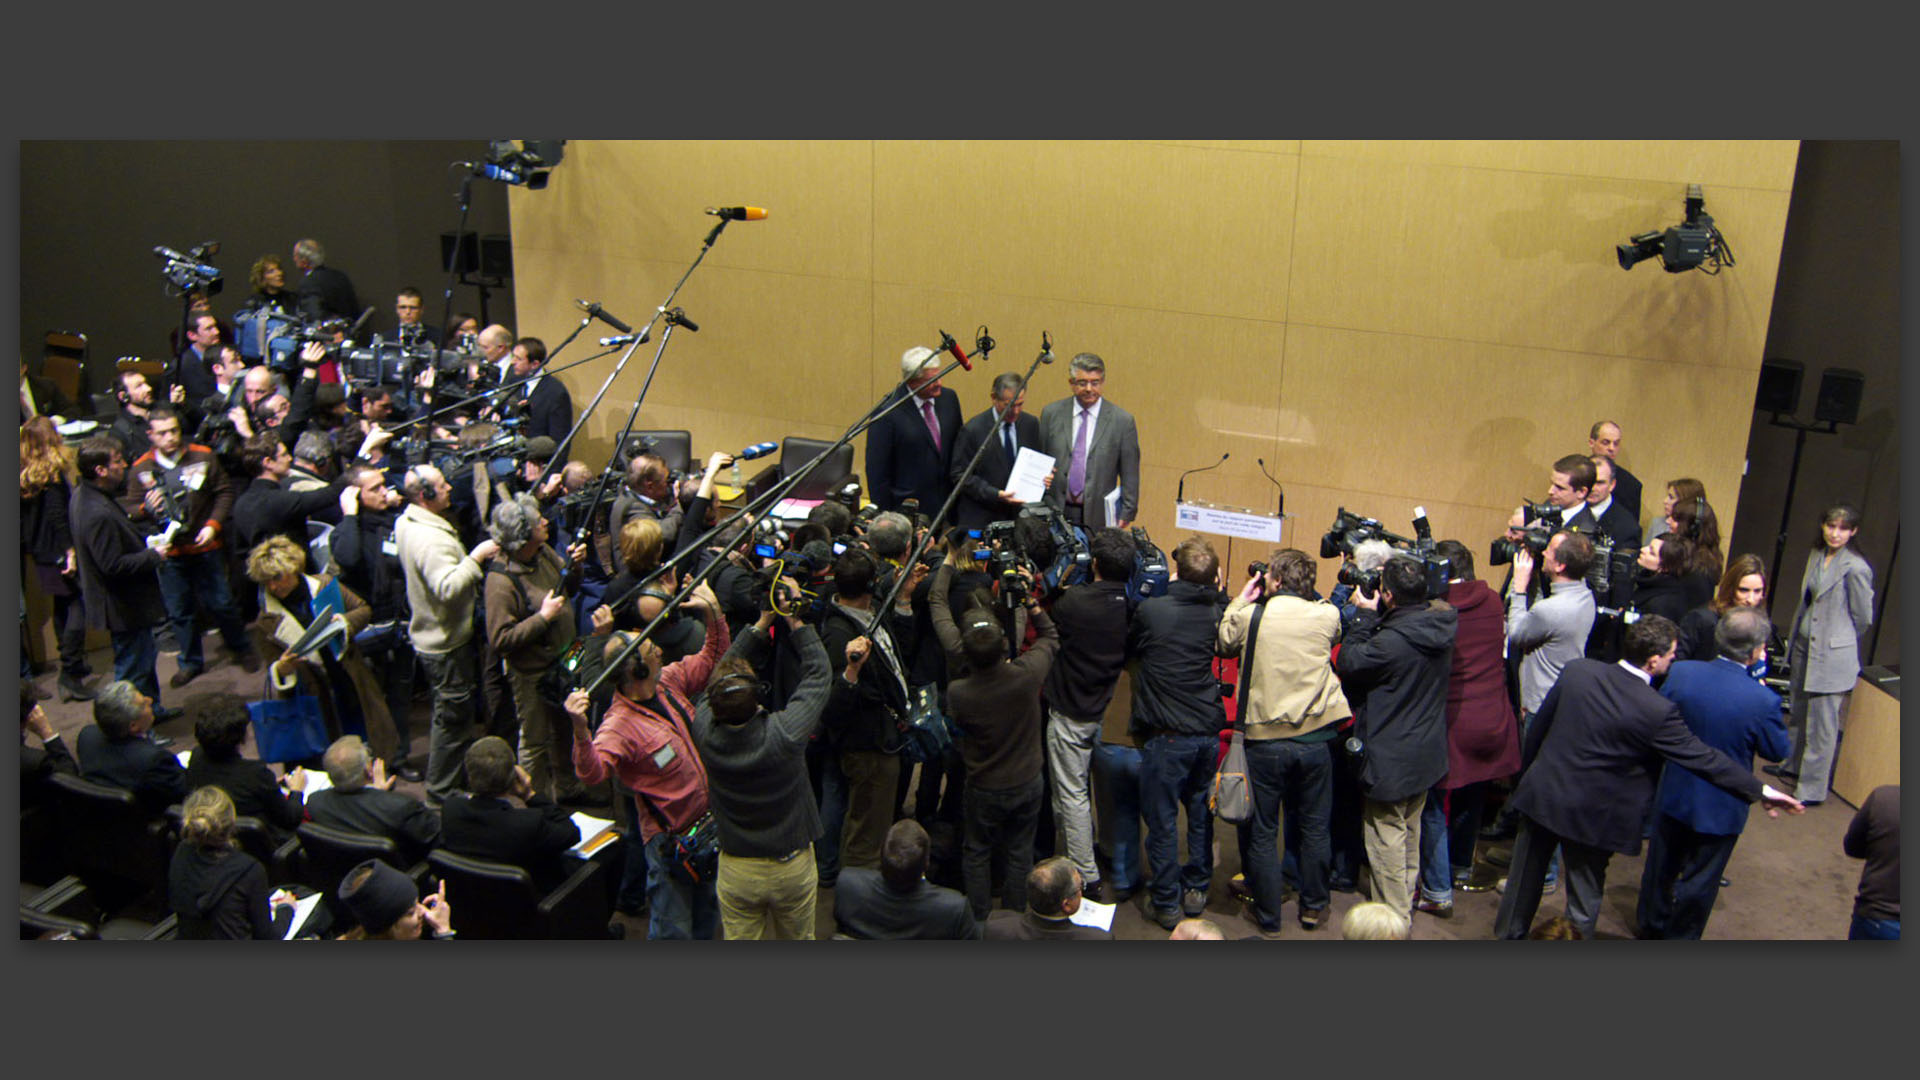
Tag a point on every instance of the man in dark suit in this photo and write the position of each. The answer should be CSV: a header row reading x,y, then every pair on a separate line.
x,y
408,329
194,365
1611,516
1006,428
323,291
362,800
268,507
500,818
117,751
548,406
897,902
1604,441
1568,486
1589,770
1095,448
119,573
1697,826
1053,895
910,450
39,763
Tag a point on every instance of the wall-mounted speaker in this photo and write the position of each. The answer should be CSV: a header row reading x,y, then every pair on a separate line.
x,y
1779,386
469,252
496,255
1840,393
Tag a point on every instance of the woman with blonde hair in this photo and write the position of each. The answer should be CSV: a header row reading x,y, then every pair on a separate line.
x,y
335,673
1374,921
48,471
217,890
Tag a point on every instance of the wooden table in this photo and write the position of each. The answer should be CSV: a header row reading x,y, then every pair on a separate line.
x,y
1870,752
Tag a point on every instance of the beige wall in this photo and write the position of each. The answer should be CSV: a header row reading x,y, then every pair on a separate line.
x,y
1386,323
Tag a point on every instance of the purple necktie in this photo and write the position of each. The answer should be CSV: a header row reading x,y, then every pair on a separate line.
x,y
1077,472
933,426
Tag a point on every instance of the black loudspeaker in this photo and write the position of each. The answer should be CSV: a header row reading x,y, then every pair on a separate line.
x,y
1779,386
1839,400
469,252
496,255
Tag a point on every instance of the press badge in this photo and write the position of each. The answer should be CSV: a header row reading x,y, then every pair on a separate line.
x,y
390,546
662,756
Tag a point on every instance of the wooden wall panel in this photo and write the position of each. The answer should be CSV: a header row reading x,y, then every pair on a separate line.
x,y
1135,225
1385,323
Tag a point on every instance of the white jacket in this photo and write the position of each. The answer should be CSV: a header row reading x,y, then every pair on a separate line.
x,y
442,581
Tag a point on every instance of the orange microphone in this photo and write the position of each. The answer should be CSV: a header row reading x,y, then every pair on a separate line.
x,y
738,213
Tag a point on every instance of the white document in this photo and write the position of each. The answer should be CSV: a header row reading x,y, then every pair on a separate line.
x,y
1028,481
595,833
1113,504
185,756
317,782
1097,915
302,909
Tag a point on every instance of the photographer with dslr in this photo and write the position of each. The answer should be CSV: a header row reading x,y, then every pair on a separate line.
x,y
867,702
648,493
1177,717
1394,667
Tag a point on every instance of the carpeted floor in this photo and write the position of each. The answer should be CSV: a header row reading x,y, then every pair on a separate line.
x,y
1790,880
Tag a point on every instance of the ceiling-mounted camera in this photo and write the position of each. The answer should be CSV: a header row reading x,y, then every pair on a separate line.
x,y
1695,242
529,164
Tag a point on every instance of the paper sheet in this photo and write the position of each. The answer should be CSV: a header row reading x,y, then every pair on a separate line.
x,y
1028,481
317,781
185,757
1113,504
595,833
301,910
1094,914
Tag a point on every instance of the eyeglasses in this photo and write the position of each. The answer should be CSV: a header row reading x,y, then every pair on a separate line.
x,y
1085,383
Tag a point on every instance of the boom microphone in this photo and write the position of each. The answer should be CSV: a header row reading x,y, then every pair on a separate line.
x,y
679,316
952,346
1046,347
625,339
757,450
595,311
738,213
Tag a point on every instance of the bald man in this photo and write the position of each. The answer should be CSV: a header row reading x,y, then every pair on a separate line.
x,y
1603,440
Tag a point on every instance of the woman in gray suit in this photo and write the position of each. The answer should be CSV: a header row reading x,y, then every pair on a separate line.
x,y
1836,606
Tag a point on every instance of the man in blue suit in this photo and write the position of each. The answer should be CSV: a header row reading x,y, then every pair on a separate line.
x,y
910,450
1698,824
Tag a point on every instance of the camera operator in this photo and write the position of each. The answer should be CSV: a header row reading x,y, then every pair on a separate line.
x,y
1293,709
648,492
996,705
269,507
312,462
867,701
228,368
408,329
1177,717
381,404
1394,667
1092,619
364,548
530,623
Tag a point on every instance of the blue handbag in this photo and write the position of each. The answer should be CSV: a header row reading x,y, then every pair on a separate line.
x,y
289,729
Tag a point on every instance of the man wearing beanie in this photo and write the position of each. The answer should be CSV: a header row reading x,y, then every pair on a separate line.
x,y
388,906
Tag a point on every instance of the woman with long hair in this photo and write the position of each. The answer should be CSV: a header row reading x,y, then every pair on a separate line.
x,y
1659,586
1694,519
48,471
1684,489
217,890
1836,607
1744,584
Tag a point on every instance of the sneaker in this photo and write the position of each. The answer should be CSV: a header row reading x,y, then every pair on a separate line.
x,y
1439,909
1312,917
1548,889
1193,902
1272,934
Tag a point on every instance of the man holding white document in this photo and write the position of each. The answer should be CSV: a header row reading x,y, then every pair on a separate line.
x,y
990,494
1096,451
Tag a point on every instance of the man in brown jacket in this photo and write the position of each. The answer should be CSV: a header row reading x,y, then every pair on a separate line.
x,y
530,623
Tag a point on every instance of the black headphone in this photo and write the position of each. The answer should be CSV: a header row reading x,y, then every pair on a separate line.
x,y
1699,509
637,662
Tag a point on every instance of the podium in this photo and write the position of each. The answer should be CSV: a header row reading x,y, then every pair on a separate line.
x,y
1234,522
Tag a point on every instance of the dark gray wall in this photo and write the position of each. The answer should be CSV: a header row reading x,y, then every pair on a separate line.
x,y
1836,304
91,212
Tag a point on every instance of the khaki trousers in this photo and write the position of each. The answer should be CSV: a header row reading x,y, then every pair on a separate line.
x,y
1391,831
766,898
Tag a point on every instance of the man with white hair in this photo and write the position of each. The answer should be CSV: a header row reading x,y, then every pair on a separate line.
x,y
1095,448
442,580
323,291
910,450
361,799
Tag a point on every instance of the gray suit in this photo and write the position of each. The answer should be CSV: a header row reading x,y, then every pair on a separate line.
x,y
1113,458
1824,652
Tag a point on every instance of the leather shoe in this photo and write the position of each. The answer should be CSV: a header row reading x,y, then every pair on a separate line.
x,y
163,715
1167,918
1099,892
1312,917
1780,771
182,678
406,772
1193,902
72,689
1435,908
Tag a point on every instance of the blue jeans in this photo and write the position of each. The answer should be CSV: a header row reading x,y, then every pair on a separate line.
x,y
134,654
1436,860
1177,771
1299,777
830,787
1116,785
678,908
1874,929
193,583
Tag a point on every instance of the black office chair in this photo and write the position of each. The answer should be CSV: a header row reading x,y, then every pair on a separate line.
x,y
673,447
37,924
256,840
795,453
327,853
493,900
117,847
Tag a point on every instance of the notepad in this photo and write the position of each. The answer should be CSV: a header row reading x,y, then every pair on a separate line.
x,y
1094,914
302,909
595,833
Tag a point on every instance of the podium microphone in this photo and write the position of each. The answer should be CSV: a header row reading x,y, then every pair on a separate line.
x,y
1180,494
1279,493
